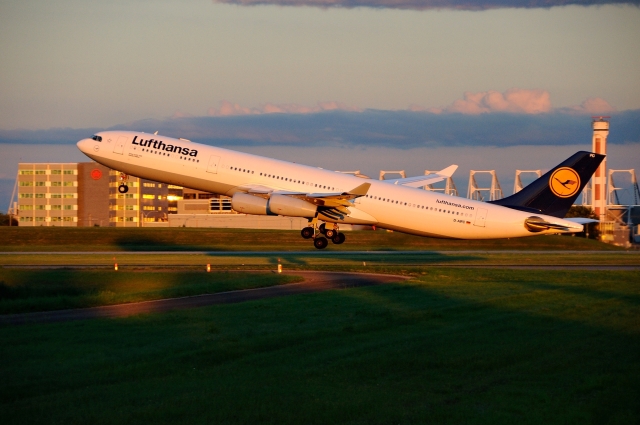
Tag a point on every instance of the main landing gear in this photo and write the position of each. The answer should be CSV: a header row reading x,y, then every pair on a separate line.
x,y
321,234
123,188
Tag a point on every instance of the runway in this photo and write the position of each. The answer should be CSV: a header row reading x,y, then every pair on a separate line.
x,y
313,282
316,252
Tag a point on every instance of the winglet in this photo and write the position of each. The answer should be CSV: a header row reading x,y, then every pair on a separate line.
x,y
360,190
448,172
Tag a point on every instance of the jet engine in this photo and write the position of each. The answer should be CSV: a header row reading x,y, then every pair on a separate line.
x,y
276,205
249,204
292,207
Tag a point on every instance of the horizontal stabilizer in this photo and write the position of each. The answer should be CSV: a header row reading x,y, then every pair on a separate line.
x,y
537,224
582,220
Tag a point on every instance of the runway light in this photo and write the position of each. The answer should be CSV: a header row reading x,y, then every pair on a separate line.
x,y
279,268
115,267
208,268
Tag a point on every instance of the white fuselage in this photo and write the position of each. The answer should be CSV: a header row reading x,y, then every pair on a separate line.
x,y
222,171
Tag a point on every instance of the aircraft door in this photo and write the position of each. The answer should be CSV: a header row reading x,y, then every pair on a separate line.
x,y
212,167
481,216
119,146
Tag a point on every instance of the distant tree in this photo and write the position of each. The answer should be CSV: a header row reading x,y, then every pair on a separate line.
x,y
592,230
4,220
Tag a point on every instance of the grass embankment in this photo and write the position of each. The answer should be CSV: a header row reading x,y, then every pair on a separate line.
x,y
24,291
190,239
452,346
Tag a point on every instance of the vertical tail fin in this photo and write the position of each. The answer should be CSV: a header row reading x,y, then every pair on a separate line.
x,y
554,193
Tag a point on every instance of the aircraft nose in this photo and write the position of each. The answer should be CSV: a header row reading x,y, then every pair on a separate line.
x,y
84,145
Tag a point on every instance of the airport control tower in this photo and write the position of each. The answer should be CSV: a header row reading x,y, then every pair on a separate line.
x,y
599,180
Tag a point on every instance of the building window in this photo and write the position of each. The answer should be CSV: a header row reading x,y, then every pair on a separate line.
x,y
25,207
68,207
39,218
148,185
147,196
68,219
56,171
69,195
41,172
55,184
68,183
26,195
56,207
26,172
40,184
68,171
26,183
56,195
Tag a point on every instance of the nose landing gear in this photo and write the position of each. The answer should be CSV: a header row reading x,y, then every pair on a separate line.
x,y
123,188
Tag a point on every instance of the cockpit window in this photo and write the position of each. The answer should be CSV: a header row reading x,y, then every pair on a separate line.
x,y
97,138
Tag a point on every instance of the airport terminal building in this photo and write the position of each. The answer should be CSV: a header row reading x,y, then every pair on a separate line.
x,y
86,194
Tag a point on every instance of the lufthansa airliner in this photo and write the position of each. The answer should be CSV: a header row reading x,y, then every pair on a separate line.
x,y
265,186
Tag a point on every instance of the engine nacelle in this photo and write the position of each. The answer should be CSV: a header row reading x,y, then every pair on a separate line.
x,y
249,204
292,207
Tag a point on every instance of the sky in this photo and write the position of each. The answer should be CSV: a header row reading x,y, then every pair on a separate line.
x,y
355,84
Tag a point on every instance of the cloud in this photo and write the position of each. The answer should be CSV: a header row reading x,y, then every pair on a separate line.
x,y
397,129
514,100
428,4
591,106
228,109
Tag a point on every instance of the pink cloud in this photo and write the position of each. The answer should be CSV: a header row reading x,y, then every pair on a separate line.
x,y
230,109
593,105
519,101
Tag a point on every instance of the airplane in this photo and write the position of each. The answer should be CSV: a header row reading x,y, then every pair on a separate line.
x,y
264,186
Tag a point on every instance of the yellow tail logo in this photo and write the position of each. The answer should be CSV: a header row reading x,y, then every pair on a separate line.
x,y
564,182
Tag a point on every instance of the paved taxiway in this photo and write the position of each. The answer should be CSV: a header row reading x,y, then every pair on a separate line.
x,y
313,282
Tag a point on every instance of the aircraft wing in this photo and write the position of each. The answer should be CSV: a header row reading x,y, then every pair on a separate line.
x,y
419,181
330,199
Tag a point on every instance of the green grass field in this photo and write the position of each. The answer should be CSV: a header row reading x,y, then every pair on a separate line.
x,y
190,239
451,346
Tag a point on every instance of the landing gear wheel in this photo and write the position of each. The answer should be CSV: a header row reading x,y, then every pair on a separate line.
x,y
123,188
320,242
330,233
338,238
322,228
307,232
